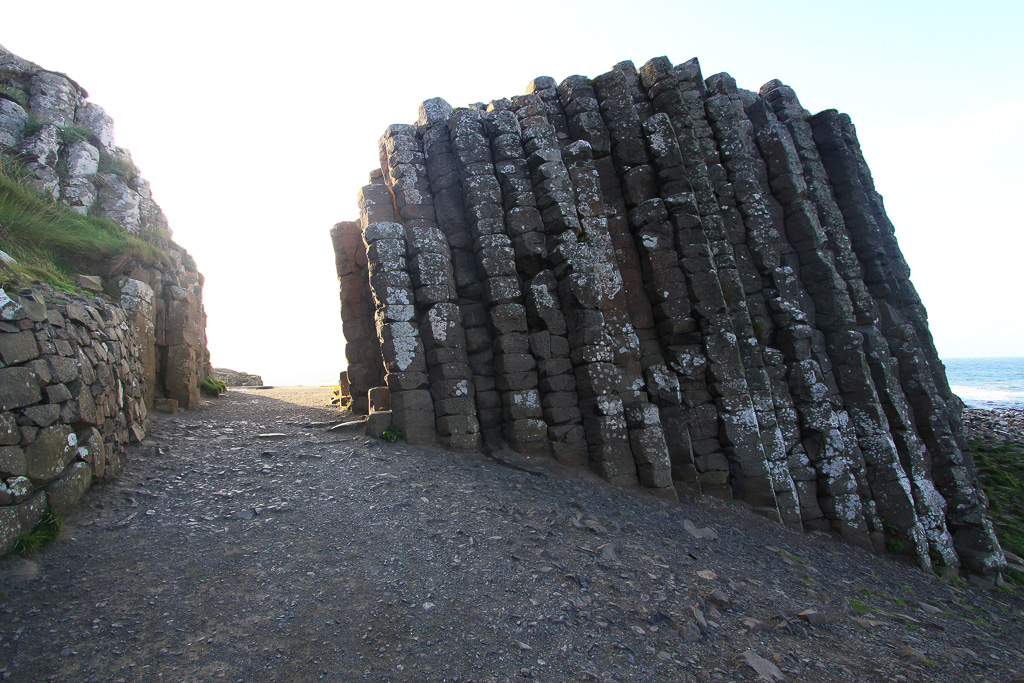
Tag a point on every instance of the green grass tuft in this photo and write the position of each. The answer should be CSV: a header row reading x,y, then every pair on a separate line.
x,y
120,167
73,134
33,126
391,434
859,606
893,543
16,94
46,532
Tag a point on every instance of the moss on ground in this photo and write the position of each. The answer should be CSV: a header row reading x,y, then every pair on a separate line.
x,y
1001,474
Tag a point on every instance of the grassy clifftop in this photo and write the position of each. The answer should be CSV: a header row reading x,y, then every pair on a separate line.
x,y
51,243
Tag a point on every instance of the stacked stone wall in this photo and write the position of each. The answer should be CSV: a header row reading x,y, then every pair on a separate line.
x,y
673,280
72,397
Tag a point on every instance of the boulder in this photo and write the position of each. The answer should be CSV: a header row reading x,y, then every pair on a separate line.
x,y
18,520
47,456
63,495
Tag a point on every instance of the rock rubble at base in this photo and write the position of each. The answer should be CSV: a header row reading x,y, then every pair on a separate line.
x,y
674,280
1005,425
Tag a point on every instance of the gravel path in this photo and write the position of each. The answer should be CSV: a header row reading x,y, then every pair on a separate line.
x,y
246,541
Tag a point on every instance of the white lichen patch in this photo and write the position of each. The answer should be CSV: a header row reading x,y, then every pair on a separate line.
x,y
526,399
397,296
9,308
543,297
847,507
438,325
405,341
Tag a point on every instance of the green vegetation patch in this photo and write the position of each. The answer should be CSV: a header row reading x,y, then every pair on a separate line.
x,y
859,606
72,134
213,387
13,93
50,242
46,532
1001,475
119,167
391,433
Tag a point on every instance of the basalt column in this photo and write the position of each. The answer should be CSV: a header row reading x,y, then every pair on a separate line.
x,y
400,342
514,365
362,350
548,340
430,268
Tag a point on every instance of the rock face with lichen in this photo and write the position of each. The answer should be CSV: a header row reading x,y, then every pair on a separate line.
x,y
671,279
79,373
65,146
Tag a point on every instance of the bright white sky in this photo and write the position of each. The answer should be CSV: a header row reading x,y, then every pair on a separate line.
x,y
257,123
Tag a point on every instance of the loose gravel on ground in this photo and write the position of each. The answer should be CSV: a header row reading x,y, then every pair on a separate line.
x,y
247,541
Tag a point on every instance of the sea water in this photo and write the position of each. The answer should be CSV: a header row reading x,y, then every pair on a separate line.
x,y
987,382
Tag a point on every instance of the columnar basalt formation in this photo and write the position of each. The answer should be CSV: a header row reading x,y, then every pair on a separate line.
x,y
676,281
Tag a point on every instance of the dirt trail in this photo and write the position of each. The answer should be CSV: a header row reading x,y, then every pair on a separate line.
x,y
221,553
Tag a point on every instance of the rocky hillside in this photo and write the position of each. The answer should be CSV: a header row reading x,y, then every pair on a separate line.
x,y
61,146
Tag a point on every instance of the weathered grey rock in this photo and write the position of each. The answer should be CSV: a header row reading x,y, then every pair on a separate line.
x,y
83,159
166,405
8,429
18,520
18,348
12,123
93,117
93,451
43,146
63,495
11,309
79,194
116,201
379,399
91,283
42,415
12,461
52,97
377,422
43,180
47,456
18,387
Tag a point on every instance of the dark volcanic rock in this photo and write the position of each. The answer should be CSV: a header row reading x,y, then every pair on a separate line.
x,y
683,284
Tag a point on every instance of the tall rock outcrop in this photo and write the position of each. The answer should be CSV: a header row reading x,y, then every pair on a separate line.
x,y
80,372
675,281
65,146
